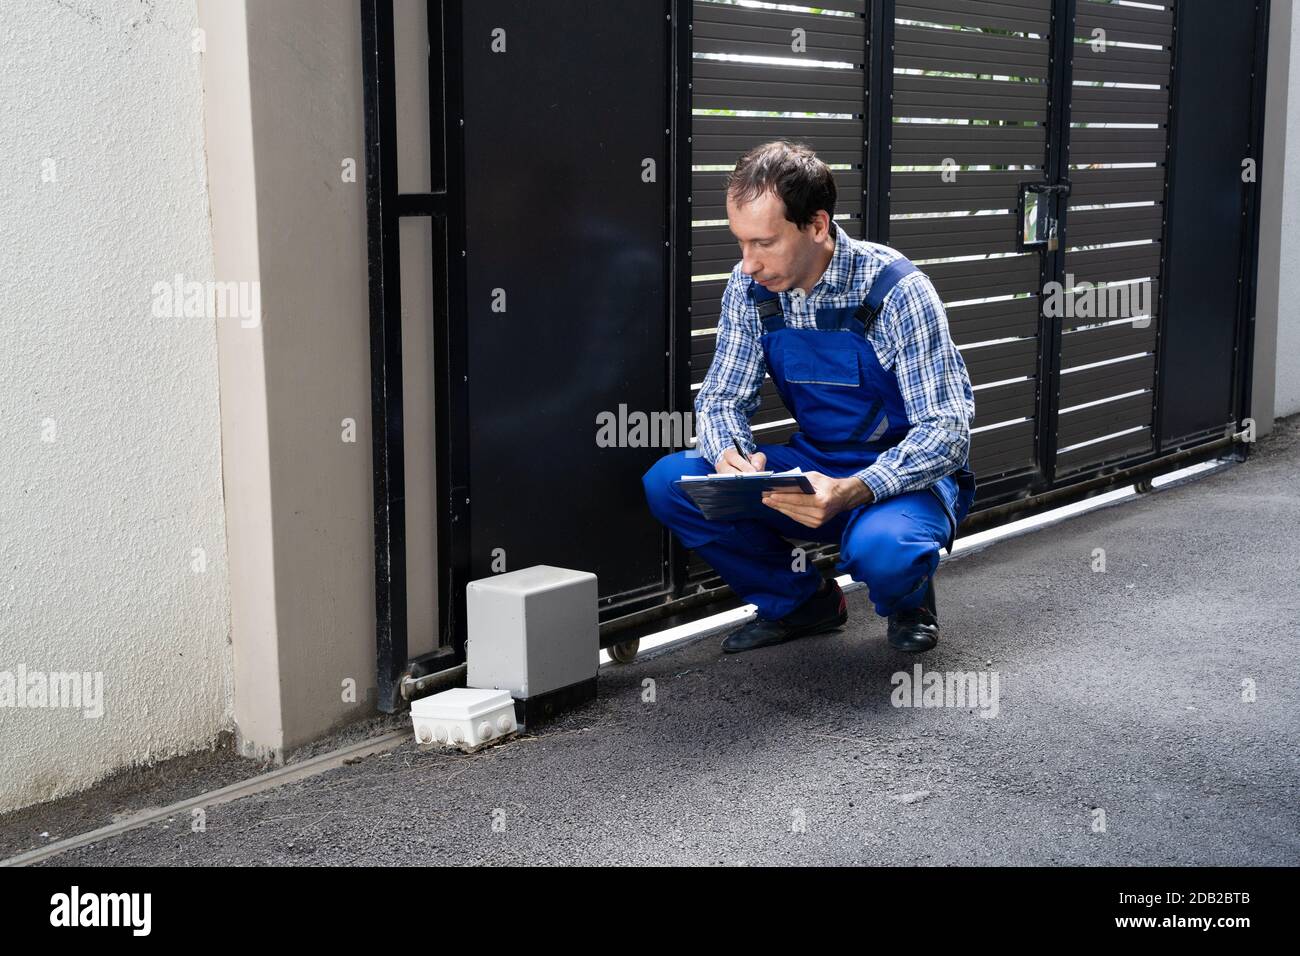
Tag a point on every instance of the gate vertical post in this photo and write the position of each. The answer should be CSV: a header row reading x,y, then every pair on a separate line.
x,y
878,149
1052,263
679,216
1166,228
1244,367
451,414
385,346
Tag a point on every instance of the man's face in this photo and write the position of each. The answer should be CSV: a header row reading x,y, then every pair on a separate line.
x,y
777,253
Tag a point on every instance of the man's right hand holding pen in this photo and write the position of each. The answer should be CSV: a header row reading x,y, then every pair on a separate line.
x,y
735,460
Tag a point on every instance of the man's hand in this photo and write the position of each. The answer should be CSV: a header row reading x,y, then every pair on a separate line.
x,y
833,495
732,462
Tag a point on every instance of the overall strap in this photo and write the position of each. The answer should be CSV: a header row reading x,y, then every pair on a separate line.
x,y
772,316
884,284
769,307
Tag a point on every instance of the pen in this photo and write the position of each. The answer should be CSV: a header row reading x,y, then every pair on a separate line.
x,y
736,441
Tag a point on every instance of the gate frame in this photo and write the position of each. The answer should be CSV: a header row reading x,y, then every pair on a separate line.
x,y
444,206
1012,495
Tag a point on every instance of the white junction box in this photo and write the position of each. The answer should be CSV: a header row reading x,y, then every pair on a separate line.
x,y
464,717
535,633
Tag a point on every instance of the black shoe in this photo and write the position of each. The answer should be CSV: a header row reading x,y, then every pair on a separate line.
x,y
822,612
915,630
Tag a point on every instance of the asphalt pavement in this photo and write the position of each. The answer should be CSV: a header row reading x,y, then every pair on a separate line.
x,y
1145,714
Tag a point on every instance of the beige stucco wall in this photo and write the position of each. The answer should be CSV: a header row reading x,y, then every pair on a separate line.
x,y
284,82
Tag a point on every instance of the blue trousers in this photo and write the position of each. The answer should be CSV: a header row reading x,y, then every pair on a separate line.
x,y
891,546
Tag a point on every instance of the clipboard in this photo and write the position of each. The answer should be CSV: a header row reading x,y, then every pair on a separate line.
x,y
727,497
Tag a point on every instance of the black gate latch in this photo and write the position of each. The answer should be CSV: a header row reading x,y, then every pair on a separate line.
x,y
1035,222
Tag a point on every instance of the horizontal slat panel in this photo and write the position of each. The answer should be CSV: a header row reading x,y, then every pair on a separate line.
x,y
949,236
929,144
1124,446
720,84
1092,144
984,278
709,199
721,140
706,303
777,435
944,97
843,6
1124,24
1002,450
737,17
1108,342
745,31
714,249
1094,187
1005,403
994,363
962,51
1095,383
1120,64
702,347
700,367
1131,300
1107,418
969,190
1101,302
1097,226
1024,16
1106,104
986,321
1113,265
765,416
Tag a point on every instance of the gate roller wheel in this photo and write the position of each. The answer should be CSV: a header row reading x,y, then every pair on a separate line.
x,y
1143,487
624,653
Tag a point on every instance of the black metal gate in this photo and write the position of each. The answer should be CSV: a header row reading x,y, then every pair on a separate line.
x,y
1046,162
966,113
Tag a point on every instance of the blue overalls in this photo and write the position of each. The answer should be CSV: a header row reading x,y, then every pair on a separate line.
x,y
849,410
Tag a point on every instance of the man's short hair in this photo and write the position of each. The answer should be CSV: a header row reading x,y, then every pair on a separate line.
x,y
793,172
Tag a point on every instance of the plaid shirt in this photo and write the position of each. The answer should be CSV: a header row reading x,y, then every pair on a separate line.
x,y
910,336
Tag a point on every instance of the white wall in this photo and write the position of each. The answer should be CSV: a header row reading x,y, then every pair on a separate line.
x,y
1287,401
98,527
